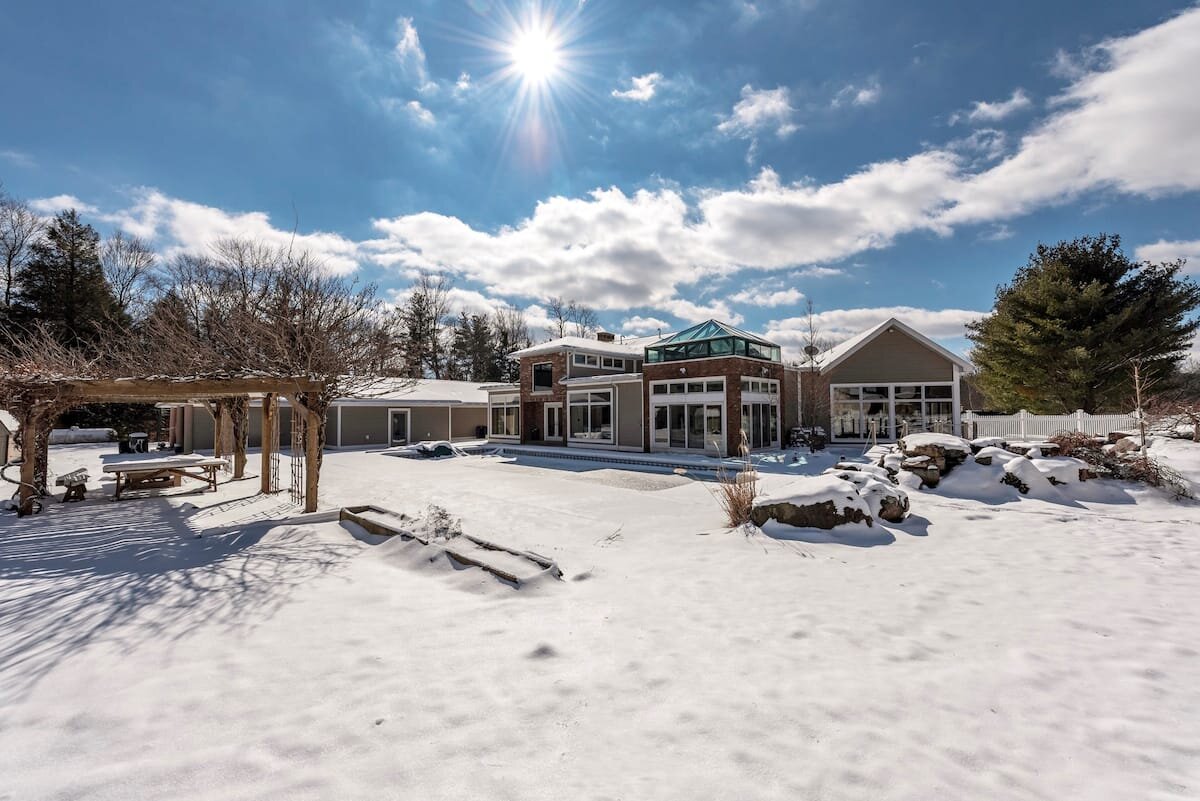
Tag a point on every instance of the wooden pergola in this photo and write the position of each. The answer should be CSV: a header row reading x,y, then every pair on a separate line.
x,y
36,415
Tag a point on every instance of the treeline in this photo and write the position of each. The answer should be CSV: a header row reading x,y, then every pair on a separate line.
x,y
432,340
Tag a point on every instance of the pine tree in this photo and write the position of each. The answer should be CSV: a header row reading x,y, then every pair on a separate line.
x,y
1062,333
63,286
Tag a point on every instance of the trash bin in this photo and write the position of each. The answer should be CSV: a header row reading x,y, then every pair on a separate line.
x,y
139,442
480,432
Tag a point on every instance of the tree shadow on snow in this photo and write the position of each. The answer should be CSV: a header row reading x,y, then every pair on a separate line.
x,y
133,573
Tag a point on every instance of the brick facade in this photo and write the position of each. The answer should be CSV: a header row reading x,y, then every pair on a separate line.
x,y
533,405
731,368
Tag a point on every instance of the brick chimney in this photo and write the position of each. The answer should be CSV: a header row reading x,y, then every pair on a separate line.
x,y
604,336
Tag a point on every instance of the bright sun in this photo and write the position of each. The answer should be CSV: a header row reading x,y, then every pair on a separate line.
x,y
536,54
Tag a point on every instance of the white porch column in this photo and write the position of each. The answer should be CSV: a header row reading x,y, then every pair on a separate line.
x,y
956,405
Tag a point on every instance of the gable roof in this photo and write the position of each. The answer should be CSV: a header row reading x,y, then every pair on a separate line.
x,y
9,422
420,391
712,329
839,353
625,348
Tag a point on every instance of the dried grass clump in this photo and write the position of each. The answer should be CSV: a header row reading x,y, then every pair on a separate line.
x,y
736,491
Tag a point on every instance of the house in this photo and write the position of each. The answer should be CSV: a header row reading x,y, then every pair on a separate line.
x,y
700,389
882,384
10,448
696,390
394,412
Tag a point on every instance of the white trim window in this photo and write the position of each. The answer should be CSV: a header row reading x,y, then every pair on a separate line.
x,y
616,363
590,417
889,411
542,377
688,414
553,421
504,417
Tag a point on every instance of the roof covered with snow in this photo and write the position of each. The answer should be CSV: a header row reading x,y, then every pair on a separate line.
x,y
421,391
8,421
840,352
624,347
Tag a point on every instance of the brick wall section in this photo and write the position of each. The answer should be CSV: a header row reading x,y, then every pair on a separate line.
x,y
533,405
732,368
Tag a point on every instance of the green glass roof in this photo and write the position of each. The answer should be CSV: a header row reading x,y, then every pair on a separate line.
x,y
711,329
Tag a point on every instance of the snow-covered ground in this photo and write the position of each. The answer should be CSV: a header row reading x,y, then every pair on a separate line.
x,y
1018,649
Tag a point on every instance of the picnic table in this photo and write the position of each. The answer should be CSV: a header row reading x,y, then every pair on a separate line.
x,y
163,471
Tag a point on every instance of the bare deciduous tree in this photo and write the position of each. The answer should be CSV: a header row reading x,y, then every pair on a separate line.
x,y
20,227
128,264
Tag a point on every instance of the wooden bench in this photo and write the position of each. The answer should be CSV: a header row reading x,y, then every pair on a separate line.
x,y
142,474
76,484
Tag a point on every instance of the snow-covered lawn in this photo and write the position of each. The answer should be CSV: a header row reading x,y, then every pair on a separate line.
x,y
1023,649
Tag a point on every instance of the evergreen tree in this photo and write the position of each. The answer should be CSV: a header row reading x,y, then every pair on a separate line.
x,y
63,285
1062,333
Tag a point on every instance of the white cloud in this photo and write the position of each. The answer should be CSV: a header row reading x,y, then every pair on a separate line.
x,y
761,110
838,325
419,113
858,95
997,233
624,251
177,226
464,82
1129,126
18,158
1165,250
53,205
642,87
983,111
645,325
410,54
767,297
818,272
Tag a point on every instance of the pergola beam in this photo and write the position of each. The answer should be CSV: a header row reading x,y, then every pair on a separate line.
x,y
148,390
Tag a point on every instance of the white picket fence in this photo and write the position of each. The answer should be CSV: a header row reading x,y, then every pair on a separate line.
x,y
1023,425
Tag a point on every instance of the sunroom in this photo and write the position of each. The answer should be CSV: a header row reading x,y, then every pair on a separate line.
x,y
890,381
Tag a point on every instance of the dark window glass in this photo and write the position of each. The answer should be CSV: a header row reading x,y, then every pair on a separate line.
x,y
543,376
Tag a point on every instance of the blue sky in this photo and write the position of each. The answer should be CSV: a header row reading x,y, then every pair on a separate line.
x,y
664,162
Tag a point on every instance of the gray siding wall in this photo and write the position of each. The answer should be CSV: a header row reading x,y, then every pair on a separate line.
x,y
199,435
429,422
890,358
465,421
202,429
361,425
629,415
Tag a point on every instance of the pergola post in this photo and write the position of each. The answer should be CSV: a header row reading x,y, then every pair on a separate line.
x,y
217,408
269,407
31,433
312,458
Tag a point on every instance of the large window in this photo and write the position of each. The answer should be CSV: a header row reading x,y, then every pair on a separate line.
x,y
591,416
505,418
760,422
889,412
688,414
543,377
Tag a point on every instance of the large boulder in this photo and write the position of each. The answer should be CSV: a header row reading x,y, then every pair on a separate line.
x,y
924,468
944,450
833,499
885,500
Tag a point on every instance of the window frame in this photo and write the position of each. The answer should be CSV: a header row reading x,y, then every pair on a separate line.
x,y
533,372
